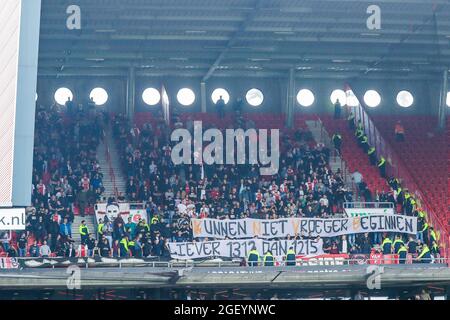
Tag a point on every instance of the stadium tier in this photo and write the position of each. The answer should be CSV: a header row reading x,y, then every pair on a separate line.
x,y
68,186
251,149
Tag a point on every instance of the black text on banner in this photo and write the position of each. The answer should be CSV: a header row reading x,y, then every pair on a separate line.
x,y
240,248
282,228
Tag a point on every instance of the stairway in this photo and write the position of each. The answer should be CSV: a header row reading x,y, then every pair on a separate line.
x,y
90,223
320,135
112,171
354,156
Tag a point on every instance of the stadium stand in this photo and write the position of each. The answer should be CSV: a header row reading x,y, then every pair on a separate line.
x,y
423,154
354,155
305,186
448,164
66,179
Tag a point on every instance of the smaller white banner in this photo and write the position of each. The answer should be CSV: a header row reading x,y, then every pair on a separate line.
x,y
241,248
363,212
12,218
123,209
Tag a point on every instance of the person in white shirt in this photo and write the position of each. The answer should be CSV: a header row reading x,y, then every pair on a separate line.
x,y
44,250
182,208
324,201
357,177
344,244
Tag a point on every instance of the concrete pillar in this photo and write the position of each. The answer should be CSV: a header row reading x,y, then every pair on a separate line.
x,y
290,101
131,94
203,96
443,101
21,35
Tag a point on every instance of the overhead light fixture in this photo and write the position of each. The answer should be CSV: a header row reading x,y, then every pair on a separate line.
x,y
105,30
254,67
95,59
195,31
370,34
259,59
341,61
178,59
284,32
420,62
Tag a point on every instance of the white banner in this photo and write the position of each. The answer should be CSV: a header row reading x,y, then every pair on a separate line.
x,y
240,248
123,209
282,228
362,212
12,218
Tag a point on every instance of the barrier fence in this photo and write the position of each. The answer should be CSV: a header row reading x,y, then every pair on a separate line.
x,y
321,260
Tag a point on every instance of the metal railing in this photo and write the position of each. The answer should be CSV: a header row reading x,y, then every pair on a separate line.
x,y
111,170
390,260
371,205
334,154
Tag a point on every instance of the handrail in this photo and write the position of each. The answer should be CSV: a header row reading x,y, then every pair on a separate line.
x,y
397,168
111,170
333,260
329,144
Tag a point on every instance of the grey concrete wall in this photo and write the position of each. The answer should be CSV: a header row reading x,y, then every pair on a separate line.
x,y
26,90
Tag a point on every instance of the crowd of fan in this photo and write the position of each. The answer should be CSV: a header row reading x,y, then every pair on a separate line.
x,y
66,171
303,187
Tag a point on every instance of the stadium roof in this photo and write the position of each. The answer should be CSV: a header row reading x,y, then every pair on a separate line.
x,y
204,38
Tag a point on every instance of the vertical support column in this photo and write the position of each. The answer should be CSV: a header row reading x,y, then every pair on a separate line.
x,y
131,93
443,101
22,65
290,99
203,96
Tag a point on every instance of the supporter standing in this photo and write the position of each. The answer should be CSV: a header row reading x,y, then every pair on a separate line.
x,y
253,258
220,105
34,250
399,131
84,232
337,109
22,245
